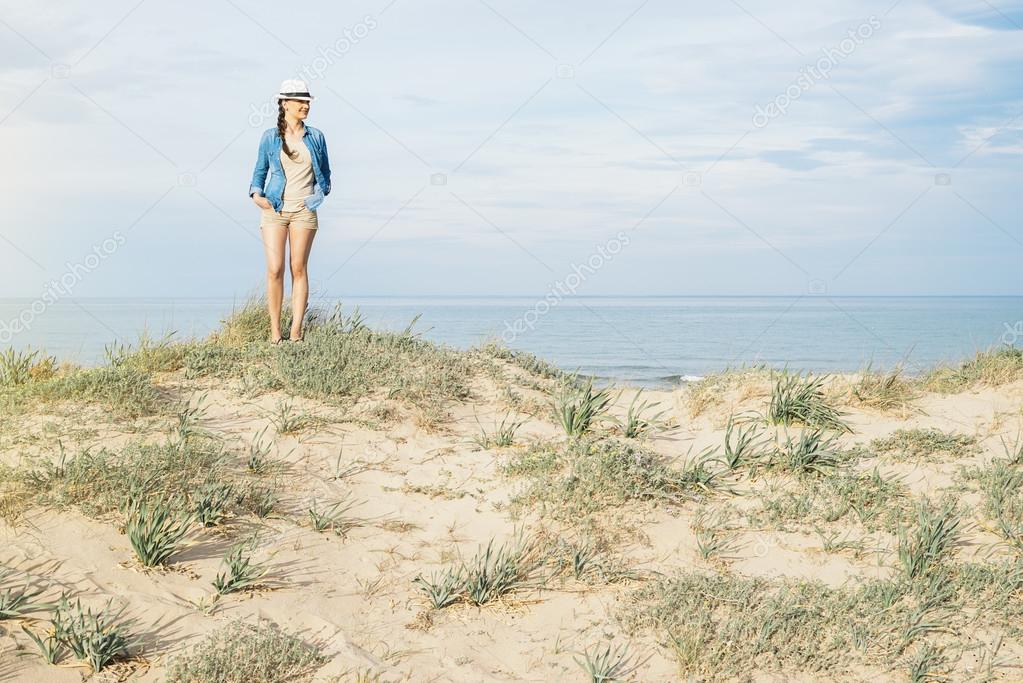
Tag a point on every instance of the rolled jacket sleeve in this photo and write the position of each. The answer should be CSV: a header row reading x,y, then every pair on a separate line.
x,y
262,167
325,166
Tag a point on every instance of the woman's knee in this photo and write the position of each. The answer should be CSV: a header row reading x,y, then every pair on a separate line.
x,y
298,269
275,272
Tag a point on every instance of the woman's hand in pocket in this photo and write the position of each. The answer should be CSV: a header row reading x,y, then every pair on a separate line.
x,y
261,201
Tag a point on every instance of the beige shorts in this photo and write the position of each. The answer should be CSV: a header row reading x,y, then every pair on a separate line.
x,y
303,218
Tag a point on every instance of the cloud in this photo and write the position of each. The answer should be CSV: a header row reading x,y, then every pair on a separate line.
x,y
555,158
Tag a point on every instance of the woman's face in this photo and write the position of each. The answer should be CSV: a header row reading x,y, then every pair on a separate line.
x,y
299,109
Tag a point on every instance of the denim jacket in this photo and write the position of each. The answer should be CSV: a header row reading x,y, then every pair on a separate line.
x,y
269,161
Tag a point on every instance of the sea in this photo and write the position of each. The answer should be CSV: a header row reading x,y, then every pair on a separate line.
x,y
654,341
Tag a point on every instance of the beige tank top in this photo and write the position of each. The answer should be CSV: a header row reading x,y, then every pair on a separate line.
x,y
299,178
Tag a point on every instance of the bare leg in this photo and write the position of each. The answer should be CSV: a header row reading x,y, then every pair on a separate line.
x,y
274,239
301,244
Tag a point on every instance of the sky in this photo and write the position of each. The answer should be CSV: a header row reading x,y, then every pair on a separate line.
x,y
492,147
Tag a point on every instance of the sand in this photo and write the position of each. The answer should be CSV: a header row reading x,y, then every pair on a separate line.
x,y
426,494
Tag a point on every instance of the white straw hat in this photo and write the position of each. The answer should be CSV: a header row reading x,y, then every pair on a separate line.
x,y
293,89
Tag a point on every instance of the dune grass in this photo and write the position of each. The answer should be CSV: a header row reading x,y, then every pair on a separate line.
x,y
243,653
97,480
610,663
18,595
532,364
240,572
933,601
155,527
149,355
340,358
933,538
885,391
799,400
588,475
494,573
925,444
123,388
869,499
717,624
21,366
745,444
641,418
122,391
502,435
993,367
577,406
714,390
97,637
713,624
333,517
1000,483
811,451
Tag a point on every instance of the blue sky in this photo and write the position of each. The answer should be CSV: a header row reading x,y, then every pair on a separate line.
x,y
553,127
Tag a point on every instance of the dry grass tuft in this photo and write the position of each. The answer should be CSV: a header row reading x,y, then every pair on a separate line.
x,y
994,367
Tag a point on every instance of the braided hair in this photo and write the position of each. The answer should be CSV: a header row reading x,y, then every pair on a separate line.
x,y
282,128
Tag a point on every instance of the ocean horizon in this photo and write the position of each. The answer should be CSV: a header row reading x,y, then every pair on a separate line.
x,y
634,339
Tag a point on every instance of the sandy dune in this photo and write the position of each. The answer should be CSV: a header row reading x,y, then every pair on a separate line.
x,y
425,495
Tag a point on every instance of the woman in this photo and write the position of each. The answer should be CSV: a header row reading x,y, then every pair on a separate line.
x,y
295,156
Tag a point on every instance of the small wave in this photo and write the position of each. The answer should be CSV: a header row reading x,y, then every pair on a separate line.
x,y
679,379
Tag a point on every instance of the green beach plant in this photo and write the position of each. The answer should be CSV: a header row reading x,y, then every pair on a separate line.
x,y
1013,451
51,648
923,548
928,664
244,653
97,638
813,452
443,588
884,390
577,408
148,355
259,462
289,420
189,419
155,529
584,556
993,367
591,475
98,481
495,572
240,571
744,446
125,392
261,501
333,517
801,400
636,424
609,664
926,443
502,436
212,502
18,600
713,539
714,544
16,366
